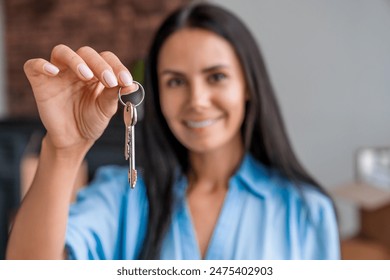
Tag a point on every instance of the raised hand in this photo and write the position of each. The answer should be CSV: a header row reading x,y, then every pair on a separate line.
x,y
76,93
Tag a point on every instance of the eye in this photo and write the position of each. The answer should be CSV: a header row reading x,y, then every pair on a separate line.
x,y
175,82
216,77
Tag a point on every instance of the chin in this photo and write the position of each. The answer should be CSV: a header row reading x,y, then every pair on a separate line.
x,y
202,146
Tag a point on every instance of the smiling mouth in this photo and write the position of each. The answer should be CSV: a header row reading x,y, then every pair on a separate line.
x,y
200,124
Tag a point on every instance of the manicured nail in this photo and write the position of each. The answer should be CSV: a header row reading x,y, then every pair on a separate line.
x,y
85,71
110,78
125,77
51,69
135,87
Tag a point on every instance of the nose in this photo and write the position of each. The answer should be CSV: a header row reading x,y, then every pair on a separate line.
x,y
199,95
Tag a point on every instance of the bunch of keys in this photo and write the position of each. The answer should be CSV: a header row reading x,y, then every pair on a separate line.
x,y
130,119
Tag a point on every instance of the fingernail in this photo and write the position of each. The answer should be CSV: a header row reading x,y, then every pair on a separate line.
x,y
135,87
125,77
51,69
85,71
110,78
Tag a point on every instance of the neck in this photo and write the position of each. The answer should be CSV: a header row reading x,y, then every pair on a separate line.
x,y
212,170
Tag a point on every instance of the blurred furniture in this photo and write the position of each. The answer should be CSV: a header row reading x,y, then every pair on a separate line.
x,y
372,241
360,248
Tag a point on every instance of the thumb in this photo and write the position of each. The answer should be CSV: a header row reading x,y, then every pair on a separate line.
x,y
39,66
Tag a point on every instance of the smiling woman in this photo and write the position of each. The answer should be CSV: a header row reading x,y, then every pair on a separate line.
x,y
202,91
219,180
202,95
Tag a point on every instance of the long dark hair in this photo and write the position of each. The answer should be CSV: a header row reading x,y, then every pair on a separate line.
x,y
263,130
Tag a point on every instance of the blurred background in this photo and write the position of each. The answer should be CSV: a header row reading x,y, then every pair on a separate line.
x,y
329,62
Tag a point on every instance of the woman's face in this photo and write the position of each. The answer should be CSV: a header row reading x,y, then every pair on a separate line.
x,y
202,90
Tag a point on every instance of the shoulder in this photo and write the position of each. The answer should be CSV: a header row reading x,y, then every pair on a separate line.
x,y
302,210
106,179
301,198
110,185
282,192
98,218
312,204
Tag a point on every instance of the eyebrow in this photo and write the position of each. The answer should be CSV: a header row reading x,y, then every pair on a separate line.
x,y
205,70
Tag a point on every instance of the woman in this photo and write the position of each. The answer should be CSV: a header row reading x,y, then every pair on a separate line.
x,y
220,180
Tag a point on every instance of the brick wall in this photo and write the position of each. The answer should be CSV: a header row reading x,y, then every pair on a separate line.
x,y
33,27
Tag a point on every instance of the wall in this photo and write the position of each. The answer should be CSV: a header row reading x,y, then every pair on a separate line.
x,y
34,27
330,64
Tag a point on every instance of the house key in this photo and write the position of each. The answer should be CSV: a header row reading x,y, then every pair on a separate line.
x,y
130,120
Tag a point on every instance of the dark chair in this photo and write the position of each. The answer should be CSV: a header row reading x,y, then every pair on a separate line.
x,y
14,136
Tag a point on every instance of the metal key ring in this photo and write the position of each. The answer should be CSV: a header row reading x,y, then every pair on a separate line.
x,y
140,88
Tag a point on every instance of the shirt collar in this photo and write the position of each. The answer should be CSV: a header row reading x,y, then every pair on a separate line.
x,y
254,176
251,174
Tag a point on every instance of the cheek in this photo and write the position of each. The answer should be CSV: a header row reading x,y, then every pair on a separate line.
x,y
169,105
235,100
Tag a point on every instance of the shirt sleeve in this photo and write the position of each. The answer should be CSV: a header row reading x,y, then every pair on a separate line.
x,y
320,229
95,219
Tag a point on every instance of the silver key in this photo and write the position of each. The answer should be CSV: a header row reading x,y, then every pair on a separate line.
x,y
127,117
130,119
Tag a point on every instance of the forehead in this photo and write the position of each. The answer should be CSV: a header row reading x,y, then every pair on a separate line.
x,y
195,47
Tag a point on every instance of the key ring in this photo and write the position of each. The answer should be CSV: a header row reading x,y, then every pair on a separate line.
x,y
140,88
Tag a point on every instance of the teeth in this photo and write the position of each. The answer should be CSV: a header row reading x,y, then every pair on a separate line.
x,y
201,124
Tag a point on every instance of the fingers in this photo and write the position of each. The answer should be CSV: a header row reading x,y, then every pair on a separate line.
x,y
123,75
100,67
86,63
65,58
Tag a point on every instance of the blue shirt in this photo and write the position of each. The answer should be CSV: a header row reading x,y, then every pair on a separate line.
x,y
263,217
